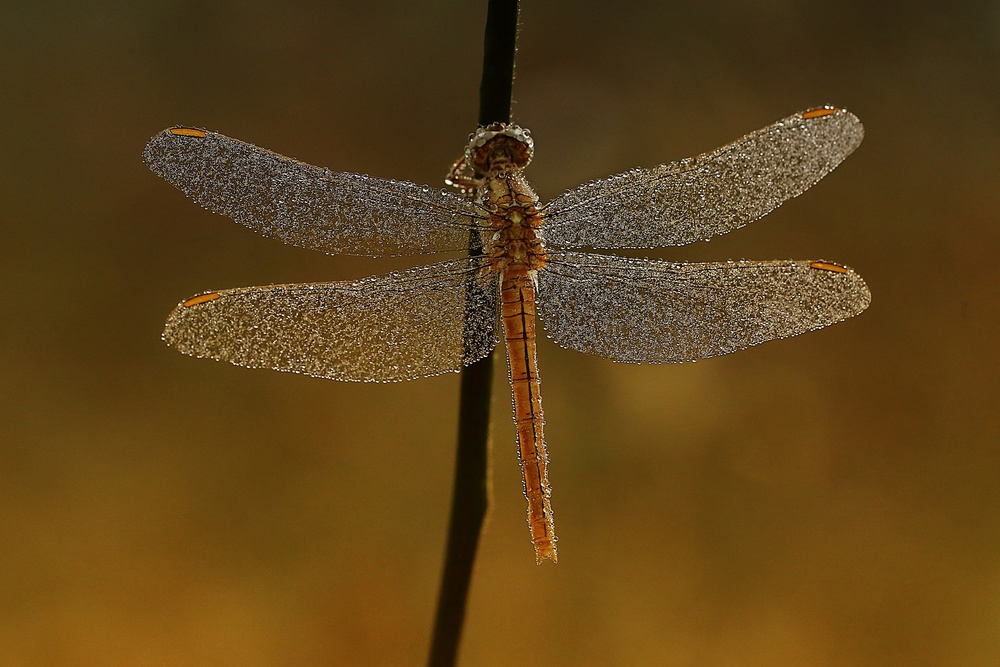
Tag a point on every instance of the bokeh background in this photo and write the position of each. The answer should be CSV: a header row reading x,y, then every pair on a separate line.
x,y
826,500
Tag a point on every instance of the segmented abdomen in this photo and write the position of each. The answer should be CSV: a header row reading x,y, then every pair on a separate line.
x,y
518,311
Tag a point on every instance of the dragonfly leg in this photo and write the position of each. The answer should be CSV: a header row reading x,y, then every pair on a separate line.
x,y
462,177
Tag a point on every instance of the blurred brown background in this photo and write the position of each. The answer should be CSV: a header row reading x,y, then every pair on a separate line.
x,y
826,500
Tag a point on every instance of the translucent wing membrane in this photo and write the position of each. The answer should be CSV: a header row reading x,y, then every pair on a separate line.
x,y
308,206
715,193
636,310
398,326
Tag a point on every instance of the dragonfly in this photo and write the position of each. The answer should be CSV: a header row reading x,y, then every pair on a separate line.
x,y
528,258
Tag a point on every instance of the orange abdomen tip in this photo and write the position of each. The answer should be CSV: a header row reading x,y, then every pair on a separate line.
x,y
818,113
827,266
188,132
201,298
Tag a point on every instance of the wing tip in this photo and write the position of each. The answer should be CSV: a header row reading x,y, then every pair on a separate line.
x,y
152,153
175,321
837,114
852,282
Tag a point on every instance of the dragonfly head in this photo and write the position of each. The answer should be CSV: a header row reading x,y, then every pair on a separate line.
x,y
499,148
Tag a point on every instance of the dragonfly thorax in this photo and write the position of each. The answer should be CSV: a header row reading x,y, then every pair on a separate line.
x,y
514,235
499,148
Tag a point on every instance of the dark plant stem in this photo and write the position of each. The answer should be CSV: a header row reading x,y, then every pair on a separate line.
x,y
469,495
497,84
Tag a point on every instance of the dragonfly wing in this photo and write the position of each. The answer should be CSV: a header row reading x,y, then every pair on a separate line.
x,y
637,310
398,326
715,193
307,206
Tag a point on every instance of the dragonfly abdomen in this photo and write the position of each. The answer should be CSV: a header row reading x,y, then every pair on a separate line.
x,y
517,307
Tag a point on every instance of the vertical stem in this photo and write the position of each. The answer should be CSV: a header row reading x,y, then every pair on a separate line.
x,y
497,84
469,496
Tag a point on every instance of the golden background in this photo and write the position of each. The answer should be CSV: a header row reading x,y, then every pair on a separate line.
x,y
826,500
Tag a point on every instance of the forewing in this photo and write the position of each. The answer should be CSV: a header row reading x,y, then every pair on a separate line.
x,y
398,326
308,206
637,310
715,193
